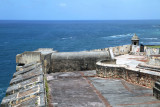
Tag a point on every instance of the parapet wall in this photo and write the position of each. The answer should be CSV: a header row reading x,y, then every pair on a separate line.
x,y
153,55
151,51
76,61
62,61
154,60
118,50
135,76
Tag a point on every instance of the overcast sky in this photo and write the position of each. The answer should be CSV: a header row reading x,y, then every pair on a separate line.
x,y
79,9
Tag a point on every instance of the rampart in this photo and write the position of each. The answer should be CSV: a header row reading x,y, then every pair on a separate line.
x,y
29,87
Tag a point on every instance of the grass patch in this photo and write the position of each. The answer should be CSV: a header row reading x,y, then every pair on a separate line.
x,y
158,46
47,89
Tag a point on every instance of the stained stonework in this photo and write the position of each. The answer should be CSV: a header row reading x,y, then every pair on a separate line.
x,y
26,88
136,76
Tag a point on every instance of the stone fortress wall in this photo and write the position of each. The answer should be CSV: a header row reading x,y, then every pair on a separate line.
x,y
29,87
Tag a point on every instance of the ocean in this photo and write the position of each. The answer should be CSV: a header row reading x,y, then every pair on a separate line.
x,y
19,36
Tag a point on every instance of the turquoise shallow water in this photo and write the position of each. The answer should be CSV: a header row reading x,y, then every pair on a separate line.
x,y
19,36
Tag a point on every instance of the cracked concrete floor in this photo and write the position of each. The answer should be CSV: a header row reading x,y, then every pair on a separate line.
x,y
84,89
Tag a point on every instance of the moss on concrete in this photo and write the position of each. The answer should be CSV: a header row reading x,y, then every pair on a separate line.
x,y
47,89
158,46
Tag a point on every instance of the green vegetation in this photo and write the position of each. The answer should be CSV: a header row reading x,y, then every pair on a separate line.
x,y
158,46
47,89
6,95
36,103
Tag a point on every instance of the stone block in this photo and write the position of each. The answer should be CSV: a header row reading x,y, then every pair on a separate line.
x,y
132,76
22,95
26,76
35,101
28,57
25,84
27,69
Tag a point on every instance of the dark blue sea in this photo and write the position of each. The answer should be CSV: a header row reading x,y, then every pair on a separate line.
x,y
19,36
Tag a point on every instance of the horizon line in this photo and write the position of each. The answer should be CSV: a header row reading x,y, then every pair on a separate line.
x,y
78,20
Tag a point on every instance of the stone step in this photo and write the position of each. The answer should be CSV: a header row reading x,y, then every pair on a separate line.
x,y
27,69
156,92
157,85
30,64
25,84
23,95
26,76
22,66
149,66
151,69
35,101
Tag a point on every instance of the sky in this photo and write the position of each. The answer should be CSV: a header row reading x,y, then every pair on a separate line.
x,y
79,9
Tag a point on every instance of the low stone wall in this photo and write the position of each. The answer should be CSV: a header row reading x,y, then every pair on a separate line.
x,y
121,50
151,51
118,50
135,76
76,61
154,60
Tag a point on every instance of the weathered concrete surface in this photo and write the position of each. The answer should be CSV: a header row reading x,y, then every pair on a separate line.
x,y
122,94
79,89
130,60
27,68
27,88
76,61
46,58
28,57
26,76
22,85
72,90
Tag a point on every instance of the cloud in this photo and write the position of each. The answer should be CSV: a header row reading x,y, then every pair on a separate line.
x,y
62,4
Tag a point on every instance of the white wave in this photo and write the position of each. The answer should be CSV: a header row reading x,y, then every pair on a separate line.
x,y
121,36
157,43
151,38
67,38
156,25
